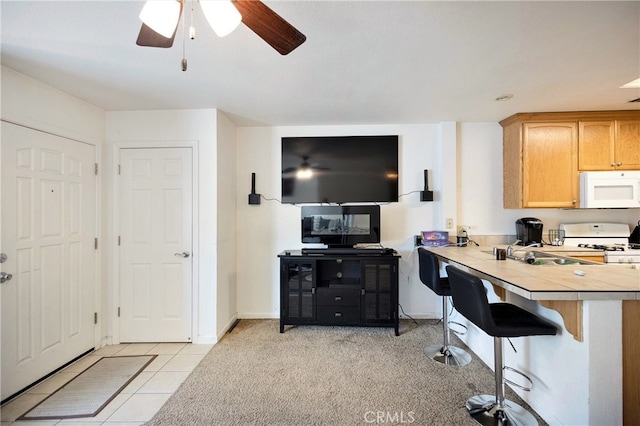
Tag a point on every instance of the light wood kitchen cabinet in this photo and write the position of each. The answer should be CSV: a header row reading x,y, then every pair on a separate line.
x,y
627,146
609,145
540,165
543,153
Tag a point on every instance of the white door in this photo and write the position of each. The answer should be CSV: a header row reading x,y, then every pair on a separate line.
x,y
48,230
156,204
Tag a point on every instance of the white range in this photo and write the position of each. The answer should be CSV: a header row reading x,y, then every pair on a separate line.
x,y
613,238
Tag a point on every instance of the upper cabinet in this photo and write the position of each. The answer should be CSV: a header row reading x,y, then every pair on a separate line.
x,y
540,165
609,145
543,154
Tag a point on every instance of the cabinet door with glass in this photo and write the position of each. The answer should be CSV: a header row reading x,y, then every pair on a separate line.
x,y
298,292
379,292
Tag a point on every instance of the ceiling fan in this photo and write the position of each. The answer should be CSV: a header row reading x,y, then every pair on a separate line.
x,y
161,17
305,170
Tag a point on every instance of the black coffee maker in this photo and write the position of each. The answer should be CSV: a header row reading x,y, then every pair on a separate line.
x,y
529,231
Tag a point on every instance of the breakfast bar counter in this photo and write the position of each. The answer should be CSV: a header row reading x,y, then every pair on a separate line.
x,y
546,282
590,372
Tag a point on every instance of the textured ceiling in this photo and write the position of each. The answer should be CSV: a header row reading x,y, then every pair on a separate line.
x,y
363,62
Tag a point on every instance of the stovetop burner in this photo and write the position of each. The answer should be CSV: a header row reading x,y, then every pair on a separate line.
x,y
603,247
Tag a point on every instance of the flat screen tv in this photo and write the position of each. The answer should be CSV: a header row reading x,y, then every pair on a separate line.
x,y
340,169
341,226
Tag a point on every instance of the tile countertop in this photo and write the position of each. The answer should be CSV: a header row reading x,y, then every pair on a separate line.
x,y
546,282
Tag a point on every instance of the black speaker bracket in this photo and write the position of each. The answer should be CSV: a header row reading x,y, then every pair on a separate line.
x,y
426,195
253,197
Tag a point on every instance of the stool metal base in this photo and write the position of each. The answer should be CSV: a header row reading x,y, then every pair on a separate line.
x,y
450,356
485,410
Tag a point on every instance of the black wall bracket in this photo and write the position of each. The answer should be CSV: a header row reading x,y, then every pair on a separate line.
x,y
426,195
253,197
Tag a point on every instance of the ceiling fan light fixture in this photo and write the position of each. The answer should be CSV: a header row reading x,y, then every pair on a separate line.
x,y
632,84
161,16
221,15
304,173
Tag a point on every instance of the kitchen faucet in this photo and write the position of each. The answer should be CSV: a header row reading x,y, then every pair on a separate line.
x,y
511,250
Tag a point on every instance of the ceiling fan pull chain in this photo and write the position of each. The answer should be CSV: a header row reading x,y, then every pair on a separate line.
x,y
184,38
192,29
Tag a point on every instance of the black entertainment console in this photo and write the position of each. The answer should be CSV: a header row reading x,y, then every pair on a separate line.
x,y
347,287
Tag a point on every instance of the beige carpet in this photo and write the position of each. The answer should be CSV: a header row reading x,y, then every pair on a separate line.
x,y
326,376
89,392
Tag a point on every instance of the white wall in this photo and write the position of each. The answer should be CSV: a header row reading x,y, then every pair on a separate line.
x,y
465,161
559,365
226,235
267,229
33,104
481,189
199,127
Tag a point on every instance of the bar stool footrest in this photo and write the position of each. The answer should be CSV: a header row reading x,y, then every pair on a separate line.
x,y
458,332
524,388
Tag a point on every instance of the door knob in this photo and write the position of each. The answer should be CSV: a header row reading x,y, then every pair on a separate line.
x,y
184,254
4,277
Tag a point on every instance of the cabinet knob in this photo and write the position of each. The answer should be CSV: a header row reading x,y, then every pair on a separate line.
x,y
338,298
613,164
618,164
338,314
574,201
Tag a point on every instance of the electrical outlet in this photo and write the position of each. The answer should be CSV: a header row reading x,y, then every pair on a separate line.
x,y
449,223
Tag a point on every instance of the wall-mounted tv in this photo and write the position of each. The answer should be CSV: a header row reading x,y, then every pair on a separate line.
x,y
340,169
340,226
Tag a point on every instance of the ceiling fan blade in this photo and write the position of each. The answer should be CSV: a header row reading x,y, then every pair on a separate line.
x,y
150,38
270,26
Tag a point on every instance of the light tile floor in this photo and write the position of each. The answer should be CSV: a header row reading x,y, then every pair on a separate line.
x,y
137,403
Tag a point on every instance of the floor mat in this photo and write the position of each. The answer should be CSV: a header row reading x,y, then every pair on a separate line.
x,y
89,392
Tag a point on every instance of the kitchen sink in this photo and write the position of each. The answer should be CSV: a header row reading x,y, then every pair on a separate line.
x,y
559,261
543,258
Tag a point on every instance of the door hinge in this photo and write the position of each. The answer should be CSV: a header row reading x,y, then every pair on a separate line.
x,y
118,311
95,170
118,168
95,317
95,243
118,239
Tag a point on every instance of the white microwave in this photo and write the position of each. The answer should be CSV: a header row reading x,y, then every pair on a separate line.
x,y
620,189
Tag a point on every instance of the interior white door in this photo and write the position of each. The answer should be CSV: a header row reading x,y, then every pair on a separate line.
x,y
48,231
156,203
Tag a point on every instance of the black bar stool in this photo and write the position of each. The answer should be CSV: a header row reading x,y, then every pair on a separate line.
x,y
499,320
430,276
